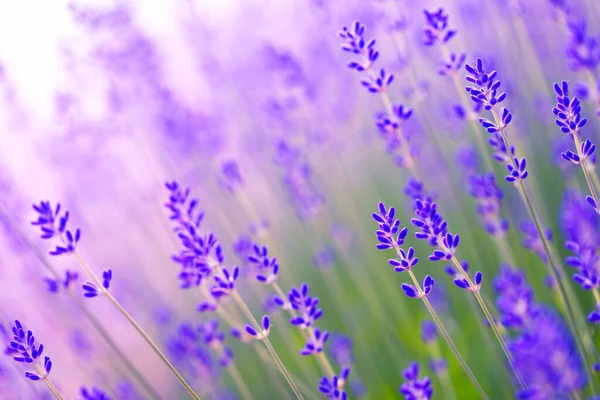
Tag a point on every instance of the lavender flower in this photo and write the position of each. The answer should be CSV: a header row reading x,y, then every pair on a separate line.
x,y
266,329
90,289
436,28
341,349
585,261
297,180
305,305
532,241
333,388
390,122
315,343
231,178
53,225
24,350
543,348
267,266
489,202
389,236
200,252
224,284
414,388
485,92
54,285
93,394
583,51
428,331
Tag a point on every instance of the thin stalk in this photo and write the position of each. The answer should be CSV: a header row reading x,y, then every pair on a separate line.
x,y
267,342
93,320
447,387
555,269
239,382
464,101
591,187
138,328
447,337
51,386
488,316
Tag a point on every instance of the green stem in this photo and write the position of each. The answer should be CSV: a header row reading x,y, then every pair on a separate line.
x,y
138,328
93,320
447,337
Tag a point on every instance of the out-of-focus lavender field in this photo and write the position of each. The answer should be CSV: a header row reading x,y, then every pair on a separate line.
x,y
225,161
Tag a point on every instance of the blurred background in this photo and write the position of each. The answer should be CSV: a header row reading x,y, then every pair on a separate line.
x,y
252,106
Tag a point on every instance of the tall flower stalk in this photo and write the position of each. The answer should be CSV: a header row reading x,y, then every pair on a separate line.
x,y
201,259
389,236
485,92
53,225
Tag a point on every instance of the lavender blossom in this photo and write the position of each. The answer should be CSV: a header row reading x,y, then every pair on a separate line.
x,y
436,28
53,225
90,289
55,285
542,347
485,92
24,350
414,388
583,52
489,202
93,394
333,388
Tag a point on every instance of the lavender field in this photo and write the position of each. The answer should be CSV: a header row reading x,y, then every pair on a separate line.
x,y
299,199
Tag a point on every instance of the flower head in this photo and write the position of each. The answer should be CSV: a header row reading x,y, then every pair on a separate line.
x,y
54,225
24,350
436,27
333,388
414,388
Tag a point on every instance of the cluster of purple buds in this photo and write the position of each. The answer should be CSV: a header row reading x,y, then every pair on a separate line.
x,y
414,388
415,189
436,27
489,201
429,335
586,263
267,266
211,336
231,178
333,388
200,253
93,394
24,350
583,51
90,289
262,333
52,224
543,348
54,285
433,228
224,284
485,92
389,125
532,240
515,299
568,118
305,312
436,32
391,236
297,179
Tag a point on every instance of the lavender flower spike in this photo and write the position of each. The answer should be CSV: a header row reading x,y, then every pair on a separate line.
x,y
414,388
24,350
54,225
334,388
432,227
569,120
